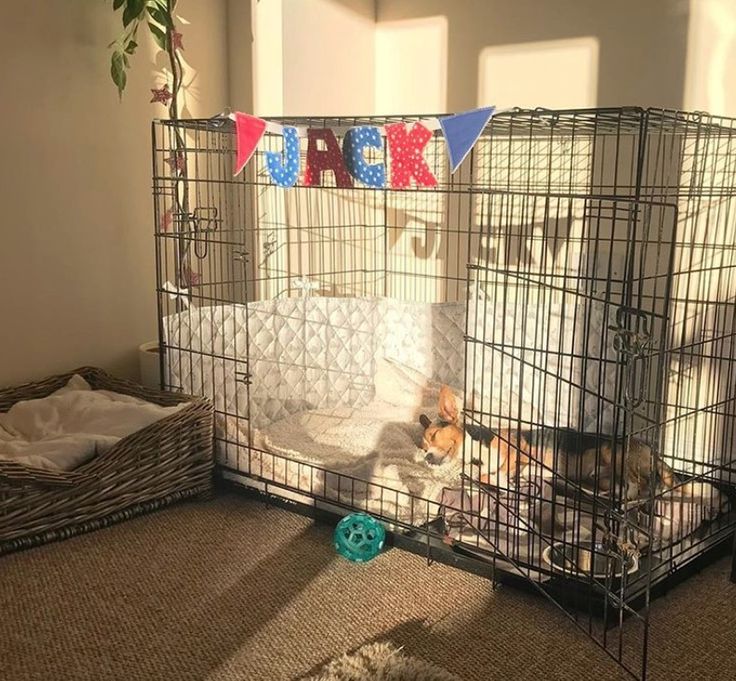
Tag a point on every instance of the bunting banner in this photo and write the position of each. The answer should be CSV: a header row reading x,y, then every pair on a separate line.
x,y
248,131
462,131
329,158
403,166
284,168
406,148
354,144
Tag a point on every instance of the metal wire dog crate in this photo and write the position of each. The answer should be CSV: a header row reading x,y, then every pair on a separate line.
x,y
574,279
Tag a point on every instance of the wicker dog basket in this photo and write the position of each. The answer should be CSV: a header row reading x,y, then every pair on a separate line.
x,y
168,460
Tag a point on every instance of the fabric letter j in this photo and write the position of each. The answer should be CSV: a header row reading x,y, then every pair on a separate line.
x,y
284,167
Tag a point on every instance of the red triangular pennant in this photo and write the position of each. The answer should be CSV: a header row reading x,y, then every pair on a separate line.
x,y
248,132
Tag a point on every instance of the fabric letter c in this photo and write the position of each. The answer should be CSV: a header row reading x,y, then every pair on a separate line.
x,y
356,140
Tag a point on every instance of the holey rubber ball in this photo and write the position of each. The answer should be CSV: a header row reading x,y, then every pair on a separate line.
x,y
359,537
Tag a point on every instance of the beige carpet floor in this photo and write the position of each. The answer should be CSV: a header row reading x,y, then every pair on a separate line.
x,y
381,662
231,590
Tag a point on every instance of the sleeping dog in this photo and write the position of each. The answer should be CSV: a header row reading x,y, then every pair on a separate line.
x,y
591,460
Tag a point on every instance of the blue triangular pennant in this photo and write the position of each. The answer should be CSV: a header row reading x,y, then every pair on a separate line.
x,y
462,132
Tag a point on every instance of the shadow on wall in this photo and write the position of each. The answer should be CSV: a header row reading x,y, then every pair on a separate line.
x,y
563,54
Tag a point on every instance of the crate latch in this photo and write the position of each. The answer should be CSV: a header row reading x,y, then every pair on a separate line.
x,y
632,340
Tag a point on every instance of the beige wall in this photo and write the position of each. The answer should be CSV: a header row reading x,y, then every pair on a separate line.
x,y
411,65
641,45
76,255
710,79
240,34
329,57
450,55
314,57
268,58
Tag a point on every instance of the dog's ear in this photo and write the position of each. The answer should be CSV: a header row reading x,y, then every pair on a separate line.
x,y
511,441
448,409
425,421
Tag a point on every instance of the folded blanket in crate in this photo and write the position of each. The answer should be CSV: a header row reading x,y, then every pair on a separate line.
x,y
376,443
68,427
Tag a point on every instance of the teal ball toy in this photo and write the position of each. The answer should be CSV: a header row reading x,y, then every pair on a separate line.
x,y
359,537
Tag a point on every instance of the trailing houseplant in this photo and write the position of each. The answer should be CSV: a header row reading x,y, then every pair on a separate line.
x,y
156,16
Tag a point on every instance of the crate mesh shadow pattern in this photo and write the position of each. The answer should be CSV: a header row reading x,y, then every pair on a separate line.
x,y
573,279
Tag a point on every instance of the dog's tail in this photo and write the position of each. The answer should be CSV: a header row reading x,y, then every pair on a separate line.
x,y
700,491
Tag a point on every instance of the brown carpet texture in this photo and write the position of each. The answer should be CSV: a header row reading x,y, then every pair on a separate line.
x,y
232,590
381,662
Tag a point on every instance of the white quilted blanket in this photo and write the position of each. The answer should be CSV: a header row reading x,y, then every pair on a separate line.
x,y
375,443
339,382
299,353
524,362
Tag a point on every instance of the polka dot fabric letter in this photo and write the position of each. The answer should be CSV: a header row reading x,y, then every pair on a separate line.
x,y
407,159
284,168
356,140
329,158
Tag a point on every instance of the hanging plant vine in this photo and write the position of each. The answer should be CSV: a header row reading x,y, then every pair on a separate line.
x,y
158,17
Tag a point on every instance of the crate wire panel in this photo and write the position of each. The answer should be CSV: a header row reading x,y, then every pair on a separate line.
x,y
575,275
553,312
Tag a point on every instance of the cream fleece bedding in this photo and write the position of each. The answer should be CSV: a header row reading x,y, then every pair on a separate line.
x,y
67,428
377,444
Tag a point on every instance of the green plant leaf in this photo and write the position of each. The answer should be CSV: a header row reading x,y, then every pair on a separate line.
x,y
161,16
132,11
117,4
165,5
130,47
158,35
117,71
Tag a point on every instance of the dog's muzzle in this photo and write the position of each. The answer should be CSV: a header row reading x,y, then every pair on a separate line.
x,y
434,459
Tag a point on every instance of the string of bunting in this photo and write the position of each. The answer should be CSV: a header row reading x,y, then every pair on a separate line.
x,y
405,145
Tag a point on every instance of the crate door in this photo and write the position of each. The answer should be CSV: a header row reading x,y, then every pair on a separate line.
x,y
566,308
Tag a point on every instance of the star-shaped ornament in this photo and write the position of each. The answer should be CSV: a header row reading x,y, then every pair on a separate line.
x,y
161,95
177,162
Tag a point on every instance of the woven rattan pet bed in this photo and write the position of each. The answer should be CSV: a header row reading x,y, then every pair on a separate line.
x,y
169,460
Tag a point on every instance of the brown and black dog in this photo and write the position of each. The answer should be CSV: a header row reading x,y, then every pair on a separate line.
x,y
595,461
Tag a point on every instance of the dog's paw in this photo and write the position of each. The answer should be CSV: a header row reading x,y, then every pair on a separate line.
x,y
709,497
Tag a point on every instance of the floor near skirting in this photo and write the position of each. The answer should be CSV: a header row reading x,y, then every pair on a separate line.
x,y
230,589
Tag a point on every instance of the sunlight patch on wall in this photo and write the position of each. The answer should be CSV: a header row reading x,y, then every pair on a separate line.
x,y
710,83
268,57
555,74
328,57
411,66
